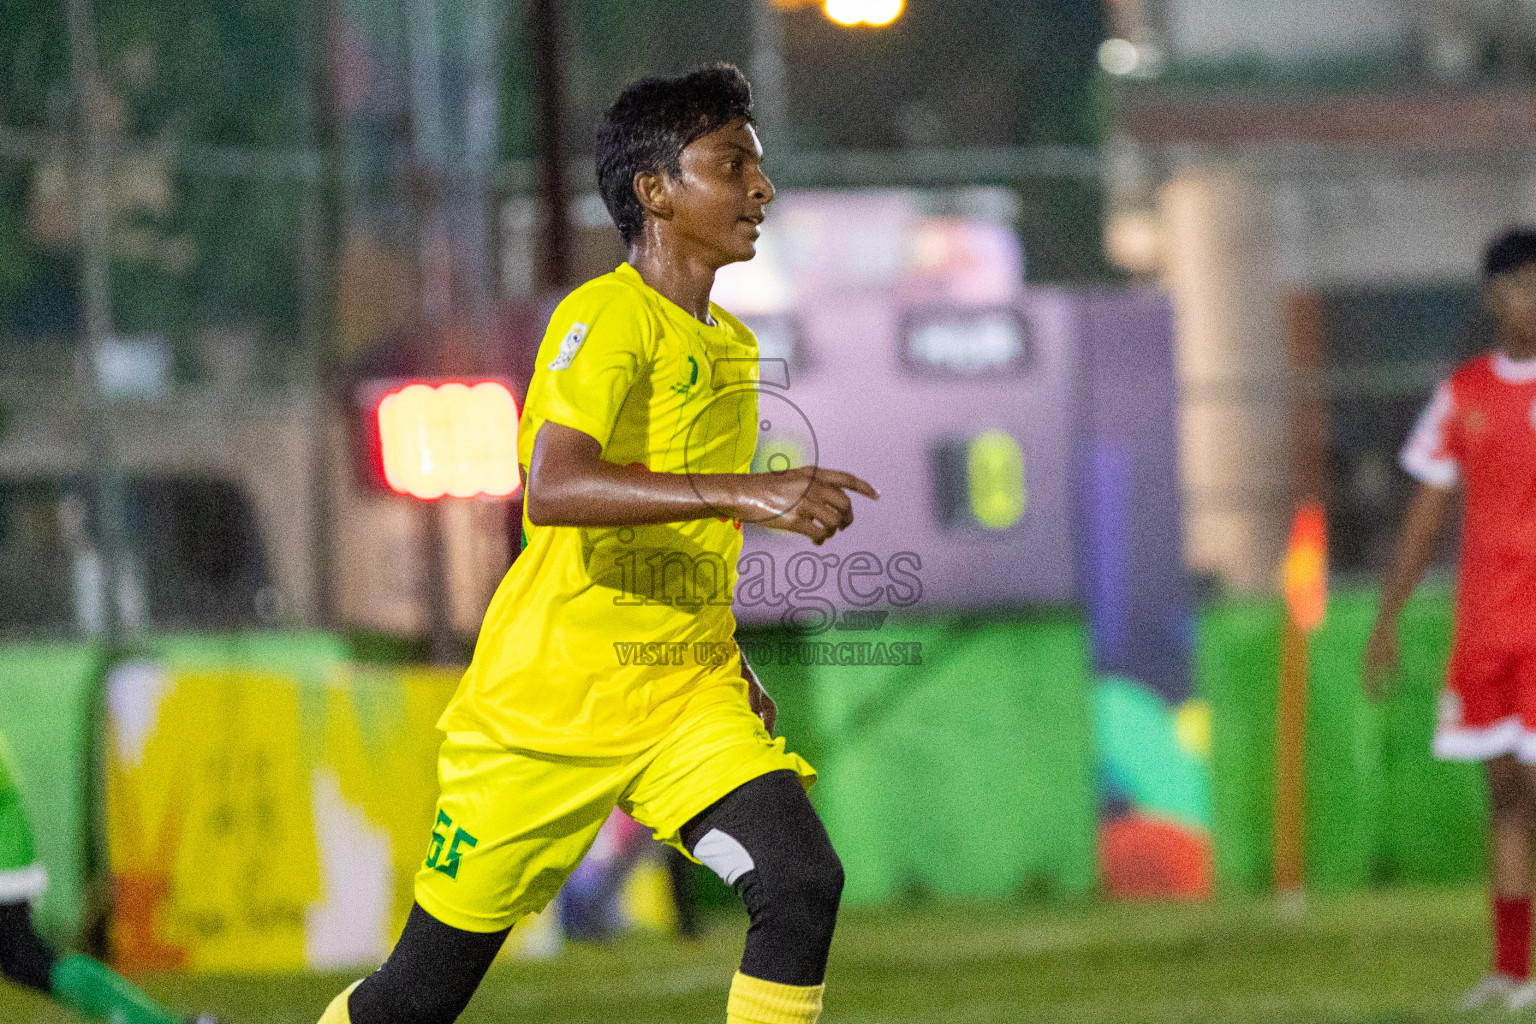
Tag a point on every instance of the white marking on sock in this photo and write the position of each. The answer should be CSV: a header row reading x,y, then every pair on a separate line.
x,y
723,855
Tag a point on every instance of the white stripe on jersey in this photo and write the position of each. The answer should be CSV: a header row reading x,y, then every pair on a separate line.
x,y
23,885
1426,457
1513,371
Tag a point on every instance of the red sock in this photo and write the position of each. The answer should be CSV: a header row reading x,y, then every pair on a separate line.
x,y
1512,936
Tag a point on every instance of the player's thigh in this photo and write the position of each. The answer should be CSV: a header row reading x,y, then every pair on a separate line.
x,y
1479,716
508,829
703,758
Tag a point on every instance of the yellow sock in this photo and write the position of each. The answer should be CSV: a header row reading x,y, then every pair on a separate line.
x,y
337,1013
755,1001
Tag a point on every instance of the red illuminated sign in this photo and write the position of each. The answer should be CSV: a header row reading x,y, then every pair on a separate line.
x,y
453,440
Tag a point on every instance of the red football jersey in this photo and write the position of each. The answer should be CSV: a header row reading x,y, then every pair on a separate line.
x,y
1480,431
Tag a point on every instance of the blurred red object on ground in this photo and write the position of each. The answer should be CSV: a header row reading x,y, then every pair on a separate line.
x,y
1141,857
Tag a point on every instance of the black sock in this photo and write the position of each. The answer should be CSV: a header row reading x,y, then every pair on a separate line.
x,y
429,976
24,958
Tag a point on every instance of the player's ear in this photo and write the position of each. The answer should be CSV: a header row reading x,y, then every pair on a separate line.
x,y
651,189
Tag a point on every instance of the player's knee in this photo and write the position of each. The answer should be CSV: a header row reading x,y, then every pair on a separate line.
x,y
819,883
808,889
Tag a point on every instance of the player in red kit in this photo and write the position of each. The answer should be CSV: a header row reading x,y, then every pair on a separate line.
x,y
1478,435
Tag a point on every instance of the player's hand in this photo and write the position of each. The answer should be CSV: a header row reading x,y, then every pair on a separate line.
x,y
762,704
1380,658
811,500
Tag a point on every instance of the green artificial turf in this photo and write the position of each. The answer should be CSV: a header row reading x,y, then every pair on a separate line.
x,y
1396,956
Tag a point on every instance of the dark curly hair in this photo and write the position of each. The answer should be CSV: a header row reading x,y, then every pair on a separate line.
x,y
652,122
1509,252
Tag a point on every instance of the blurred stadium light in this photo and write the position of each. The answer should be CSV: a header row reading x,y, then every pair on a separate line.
x,y
768,61
455,440
848,13
871,13
1121,57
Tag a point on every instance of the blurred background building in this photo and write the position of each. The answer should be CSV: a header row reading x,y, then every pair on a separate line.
x,y
299,204
1313,183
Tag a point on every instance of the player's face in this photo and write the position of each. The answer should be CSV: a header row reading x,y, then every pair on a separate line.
x,y
719,197
1512,299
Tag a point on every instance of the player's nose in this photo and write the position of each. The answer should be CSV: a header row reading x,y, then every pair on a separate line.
x,y
762,189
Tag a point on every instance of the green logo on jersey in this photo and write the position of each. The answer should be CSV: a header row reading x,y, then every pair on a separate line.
x,y
682,387
444,854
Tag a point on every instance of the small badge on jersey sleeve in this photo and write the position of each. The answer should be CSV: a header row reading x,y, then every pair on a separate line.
x,y
568,346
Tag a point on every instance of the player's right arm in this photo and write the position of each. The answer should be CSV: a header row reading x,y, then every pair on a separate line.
x,y
599,345
570,484
1430,458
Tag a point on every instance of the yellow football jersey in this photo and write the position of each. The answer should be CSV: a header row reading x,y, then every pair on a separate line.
x,y
598,639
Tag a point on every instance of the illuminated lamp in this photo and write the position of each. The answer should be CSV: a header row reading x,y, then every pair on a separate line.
x,y
872,13
454,440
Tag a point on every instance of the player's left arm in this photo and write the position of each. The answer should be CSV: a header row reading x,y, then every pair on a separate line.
x,y
762,704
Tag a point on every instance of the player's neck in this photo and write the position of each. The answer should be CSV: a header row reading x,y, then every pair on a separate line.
x,y
685,280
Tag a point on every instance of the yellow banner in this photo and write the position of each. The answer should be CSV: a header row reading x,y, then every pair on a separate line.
x,y
260,822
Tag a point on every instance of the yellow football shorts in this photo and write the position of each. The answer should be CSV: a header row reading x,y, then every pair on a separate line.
x,y
511,825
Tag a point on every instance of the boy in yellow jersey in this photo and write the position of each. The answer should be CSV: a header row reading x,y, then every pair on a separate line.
x,y
606,672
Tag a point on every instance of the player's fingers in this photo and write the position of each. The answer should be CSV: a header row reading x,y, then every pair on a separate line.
x,y
814,528
832,516
838,499
820,520
847,481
